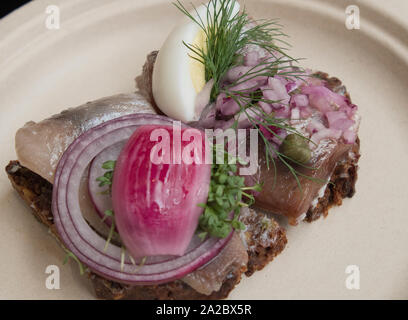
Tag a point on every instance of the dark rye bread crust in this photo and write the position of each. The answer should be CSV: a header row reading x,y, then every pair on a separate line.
x,y
344,176
343,185
37,193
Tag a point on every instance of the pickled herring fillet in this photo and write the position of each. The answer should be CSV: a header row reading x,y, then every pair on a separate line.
x,y
281,193
39,146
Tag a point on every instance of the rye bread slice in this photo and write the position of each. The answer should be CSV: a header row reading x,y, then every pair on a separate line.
x,y
37,193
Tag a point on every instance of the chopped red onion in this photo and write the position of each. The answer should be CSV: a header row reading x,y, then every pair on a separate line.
x,y
283,80
266,107
323,98
299,100
269,94
350,136
291,86
284,103
282,111
333,116
338,120
245,86
251,58
305,112
244,73
279,88
342,124
295,114
281,133
236,73
226,105
244,122
267,134
350,110
315,126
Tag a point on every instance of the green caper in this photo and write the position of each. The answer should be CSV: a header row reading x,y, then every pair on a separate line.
x,y
296,148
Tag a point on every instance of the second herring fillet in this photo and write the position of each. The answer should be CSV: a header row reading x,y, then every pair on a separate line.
x,y
283,196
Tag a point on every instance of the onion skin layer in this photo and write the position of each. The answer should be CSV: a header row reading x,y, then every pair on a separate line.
x,y
156,205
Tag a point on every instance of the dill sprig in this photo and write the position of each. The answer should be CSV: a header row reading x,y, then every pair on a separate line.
x,y
228,34
223,30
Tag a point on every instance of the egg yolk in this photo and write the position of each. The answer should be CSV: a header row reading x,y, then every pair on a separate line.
x,y
197,70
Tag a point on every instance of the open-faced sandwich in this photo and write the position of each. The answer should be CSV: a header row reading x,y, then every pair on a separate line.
x,y
141,190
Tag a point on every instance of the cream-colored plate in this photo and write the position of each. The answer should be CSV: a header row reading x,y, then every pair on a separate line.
x,y
101,46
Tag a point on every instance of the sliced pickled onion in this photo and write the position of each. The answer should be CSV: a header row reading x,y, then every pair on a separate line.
x,y
156,201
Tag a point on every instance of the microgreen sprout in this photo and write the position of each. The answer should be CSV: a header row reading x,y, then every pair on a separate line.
x,y
107,178
226,196
110,213
122,257
69,255
107,214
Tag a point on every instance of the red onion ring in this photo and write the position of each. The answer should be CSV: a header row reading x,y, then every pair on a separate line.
x,y
85,243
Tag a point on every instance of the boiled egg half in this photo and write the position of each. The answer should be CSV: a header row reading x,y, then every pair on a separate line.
x,y
177,77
